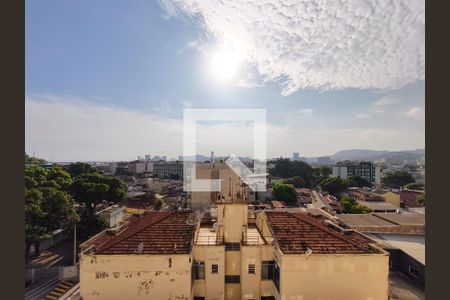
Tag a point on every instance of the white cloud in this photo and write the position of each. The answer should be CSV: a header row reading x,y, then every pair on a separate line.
x,y
306,111
386,101
323,44
363,116
61,128
416,113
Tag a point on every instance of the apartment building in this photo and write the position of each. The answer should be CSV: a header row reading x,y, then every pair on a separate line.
x,y
232,253
168,169
365,169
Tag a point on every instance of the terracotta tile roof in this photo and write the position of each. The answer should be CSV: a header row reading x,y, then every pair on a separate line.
x,y
298,232
159,232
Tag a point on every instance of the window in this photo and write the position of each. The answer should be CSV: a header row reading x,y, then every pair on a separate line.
x,y
251,269
267,270
232,279
271,271
413,271
199,298
267,298
199,269
214,269
232,246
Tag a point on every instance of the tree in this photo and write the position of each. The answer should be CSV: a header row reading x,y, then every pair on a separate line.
x,y
360,209
347,203
421,200
79,168
397,179
296,181
357,181
414,186
158,204
47,204
285,168
285,192
333,185
322,172
92,188
351,206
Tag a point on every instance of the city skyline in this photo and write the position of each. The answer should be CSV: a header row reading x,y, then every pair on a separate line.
x,y
117,86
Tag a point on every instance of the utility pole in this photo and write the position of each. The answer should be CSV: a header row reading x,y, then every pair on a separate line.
x,y
75,244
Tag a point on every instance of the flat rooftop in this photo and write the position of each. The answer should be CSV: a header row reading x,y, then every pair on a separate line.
x,y
357,220
206,236
413,245
374,205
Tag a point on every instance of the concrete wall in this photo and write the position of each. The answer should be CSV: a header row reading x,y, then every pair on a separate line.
x,y
135,276
334,277
232,217
213,286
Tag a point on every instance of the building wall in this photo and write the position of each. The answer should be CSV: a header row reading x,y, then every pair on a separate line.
x,y
334,277
232,217
135,276
213,286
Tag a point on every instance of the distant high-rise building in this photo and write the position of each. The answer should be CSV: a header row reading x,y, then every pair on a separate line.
x,y
212,156
295,156
139,157
365,169
164,158
148,156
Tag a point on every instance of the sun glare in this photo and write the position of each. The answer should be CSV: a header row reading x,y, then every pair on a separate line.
x,y
225,64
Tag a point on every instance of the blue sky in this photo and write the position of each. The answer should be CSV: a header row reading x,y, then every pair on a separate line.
x,y
108,80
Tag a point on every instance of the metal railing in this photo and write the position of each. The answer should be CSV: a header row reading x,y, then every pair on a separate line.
x,y
42,290
209,240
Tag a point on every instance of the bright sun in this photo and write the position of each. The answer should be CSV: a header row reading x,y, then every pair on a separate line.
x,y
225,64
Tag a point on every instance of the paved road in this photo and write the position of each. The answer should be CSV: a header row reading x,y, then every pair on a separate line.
x,y
58,255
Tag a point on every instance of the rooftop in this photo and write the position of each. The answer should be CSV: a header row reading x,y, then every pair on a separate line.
x,y
298,232
414,245
158,232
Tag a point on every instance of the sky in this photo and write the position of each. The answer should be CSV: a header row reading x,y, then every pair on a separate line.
x,y
108,79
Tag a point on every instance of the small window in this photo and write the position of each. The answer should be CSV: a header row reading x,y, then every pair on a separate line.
x,y
267,298
413,271
214,268
199,269
267,270
232,279
251,269
199,298
232,246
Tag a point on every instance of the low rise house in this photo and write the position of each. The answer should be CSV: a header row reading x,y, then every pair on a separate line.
x,y
409,197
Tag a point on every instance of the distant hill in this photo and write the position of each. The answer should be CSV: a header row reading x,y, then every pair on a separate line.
x,y
410,156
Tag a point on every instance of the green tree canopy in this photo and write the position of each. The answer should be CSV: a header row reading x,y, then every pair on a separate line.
x,y
357,181
78,168
414,186
333,185
285,192
351,206
397,179
421,200
158,204
296,181
286,169
92,188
